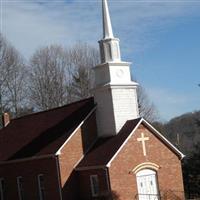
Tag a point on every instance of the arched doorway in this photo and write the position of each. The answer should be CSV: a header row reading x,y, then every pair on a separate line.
x,y
147,185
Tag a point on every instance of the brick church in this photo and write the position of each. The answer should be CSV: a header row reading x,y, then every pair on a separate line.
x,y
96,148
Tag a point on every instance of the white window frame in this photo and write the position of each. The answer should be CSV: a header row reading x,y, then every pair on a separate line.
x,y
41,188
20,188
144,173
94,180
2,188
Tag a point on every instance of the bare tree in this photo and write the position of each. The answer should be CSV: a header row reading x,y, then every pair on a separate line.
x,y
15,82
48,86
60,76
3,55
81,58
12,78
146,108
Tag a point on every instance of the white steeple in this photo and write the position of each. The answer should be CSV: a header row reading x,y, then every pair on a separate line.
x,y
109,45
114,93
107,27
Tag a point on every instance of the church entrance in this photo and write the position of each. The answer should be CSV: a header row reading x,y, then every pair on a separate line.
x,y
147,185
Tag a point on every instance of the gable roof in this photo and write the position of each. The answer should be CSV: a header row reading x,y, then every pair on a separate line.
x,y
163,139
105,148
42,133
108,148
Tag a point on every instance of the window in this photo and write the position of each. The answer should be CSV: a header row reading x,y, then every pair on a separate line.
x,y
147,184
94,182
20,188
2,189
41,186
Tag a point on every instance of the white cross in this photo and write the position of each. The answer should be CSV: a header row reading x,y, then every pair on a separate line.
x,y
143,139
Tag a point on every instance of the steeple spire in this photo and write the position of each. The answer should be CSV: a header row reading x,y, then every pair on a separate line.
x,y
109,45
114,92
107,26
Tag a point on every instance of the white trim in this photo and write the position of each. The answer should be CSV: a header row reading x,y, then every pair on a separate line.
x,y
40,187
20,187
155,132
6,124
2,188
112,85
92,186
124,143
145,165
164,139
121,63
68,139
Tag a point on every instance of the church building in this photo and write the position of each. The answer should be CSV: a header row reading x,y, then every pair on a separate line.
x,y
96,148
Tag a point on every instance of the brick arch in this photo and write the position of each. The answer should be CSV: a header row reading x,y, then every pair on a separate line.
x,y
145,165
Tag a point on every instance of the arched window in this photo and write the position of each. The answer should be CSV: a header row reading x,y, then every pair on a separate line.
x,y
147,185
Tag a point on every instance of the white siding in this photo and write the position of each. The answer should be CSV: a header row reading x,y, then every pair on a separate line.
x,y
115,105
125,106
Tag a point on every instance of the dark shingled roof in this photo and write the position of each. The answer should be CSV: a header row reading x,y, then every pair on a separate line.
x,y
105,148
42,133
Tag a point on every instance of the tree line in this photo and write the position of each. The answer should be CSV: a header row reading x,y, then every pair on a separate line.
x,y
184,132
52,77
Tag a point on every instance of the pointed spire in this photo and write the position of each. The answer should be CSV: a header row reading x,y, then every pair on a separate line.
x,y
107,27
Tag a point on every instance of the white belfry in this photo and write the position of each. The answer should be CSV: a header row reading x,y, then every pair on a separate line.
x,y
143,139
114,92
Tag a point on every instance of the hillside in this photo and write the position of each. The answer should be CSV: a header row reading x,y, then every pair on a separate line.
x,y
182,131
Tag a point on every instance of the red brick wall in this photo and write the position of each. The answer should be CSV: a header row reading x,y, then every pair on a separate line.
x,y
131,155
85,187
71,154
29,170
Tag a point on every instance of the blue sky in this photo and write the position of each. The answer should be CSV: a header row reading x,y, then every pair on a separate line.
x,y
161,38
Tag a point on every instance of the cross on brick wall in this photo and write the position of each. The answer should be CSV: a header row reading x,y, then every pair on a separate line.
x,y
143,139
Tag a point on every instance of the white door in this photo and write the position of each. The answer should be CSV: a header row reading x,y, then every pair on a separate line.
x,y
147,185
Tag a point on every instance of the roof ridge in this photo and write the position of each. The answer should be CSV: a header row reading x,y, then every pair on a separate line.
x,y
52,109
108,155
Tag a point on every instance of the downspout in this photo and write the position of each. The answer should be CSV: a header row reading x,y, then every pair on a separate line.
x,y
108,180
59,177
